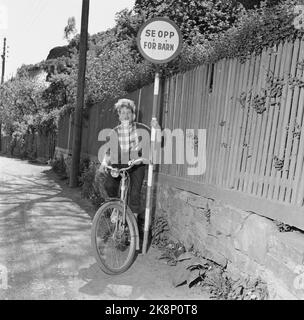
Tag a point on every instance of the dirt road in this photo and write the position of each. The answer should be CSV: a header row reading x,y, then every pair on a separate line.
x,y
45,244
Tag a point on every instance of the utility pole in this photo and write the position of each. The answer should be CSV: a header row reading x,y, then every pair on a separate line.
x,y
76,147
3,60
2,80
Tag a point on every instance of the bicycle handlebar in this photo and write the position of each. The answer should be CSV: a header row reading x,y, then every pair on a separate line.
x,y
131,164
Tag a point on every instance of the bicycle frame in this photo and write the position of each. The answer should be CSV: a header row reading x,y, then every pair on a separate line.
x,y
123,201
123,198
123,195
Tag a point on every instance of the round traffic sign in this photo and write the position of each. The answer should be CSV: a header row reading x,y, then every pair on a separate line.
x,y
159,40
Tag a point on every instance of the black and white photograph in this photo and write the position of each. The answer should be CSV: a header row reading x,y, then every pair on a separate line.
x,y
152,153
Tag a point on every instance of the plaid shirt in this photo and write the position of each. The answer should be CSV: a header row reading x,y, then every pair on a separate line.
x,y
127,137
128,141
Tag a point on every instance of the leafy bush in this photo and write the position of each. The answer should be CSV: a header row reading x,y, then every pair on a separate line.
x,y
196,271
193,17
160,230
256,29
58,165
92,185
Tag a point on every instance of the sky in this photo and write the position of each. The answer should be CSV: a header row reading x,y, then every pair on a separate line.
x,y
34,27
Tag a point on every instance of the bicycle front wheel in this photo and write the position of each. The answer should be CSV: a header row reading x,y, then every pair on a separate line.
x,y
114,244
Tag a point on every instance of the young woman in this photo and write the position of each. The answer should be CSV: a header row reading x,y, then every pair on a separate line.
x,y
128,134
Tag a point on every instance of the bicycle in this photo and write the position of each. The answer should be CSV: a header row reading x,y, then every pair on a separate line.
x,y
115,235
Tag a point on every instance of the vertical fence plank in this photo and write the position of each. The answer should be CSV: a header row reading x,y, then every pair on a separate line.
x,y
222,106
171,167
257,119
250,132
182,117
164,118
220,70
232,120
181,121
211,125
190,111
272,122
192,122
177,116
223,114
246,106
237,122
248,150
194,114
225,122
219,117
171,105
171,116
237,146
200,110
207,102
266,126
276,114
171,110
205,105
280,144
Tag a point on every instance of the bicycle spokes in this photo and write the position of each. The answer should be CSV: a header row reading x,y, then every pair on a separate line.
x,y
114,242
114,215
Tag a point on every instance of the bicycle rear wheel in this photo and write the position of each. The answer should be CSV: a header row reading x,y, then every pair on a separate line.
x,y
114,245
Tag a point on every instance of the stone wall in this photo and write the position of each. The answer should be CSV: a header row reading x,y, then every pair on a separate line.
x,y
244,242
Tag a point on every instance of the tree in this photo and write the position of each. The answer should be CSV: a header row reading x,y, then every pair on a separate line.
x,y
70,29
20,101
193,17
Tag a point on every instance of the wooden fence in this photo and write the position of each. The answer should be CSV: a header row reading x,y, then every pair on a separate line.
x,y
33,146
253,116
102,116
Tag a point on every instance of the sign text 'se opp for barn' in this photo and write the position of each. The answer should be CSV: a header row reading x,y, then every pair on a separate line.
x,y
159,40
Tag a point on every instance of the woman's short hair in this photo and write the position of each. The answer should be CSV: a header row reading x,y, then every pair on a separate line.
x,y
125,103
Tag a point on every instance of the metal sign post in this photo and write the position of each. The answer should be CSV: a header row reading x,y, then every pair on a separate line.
x,y
150,168
159,40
